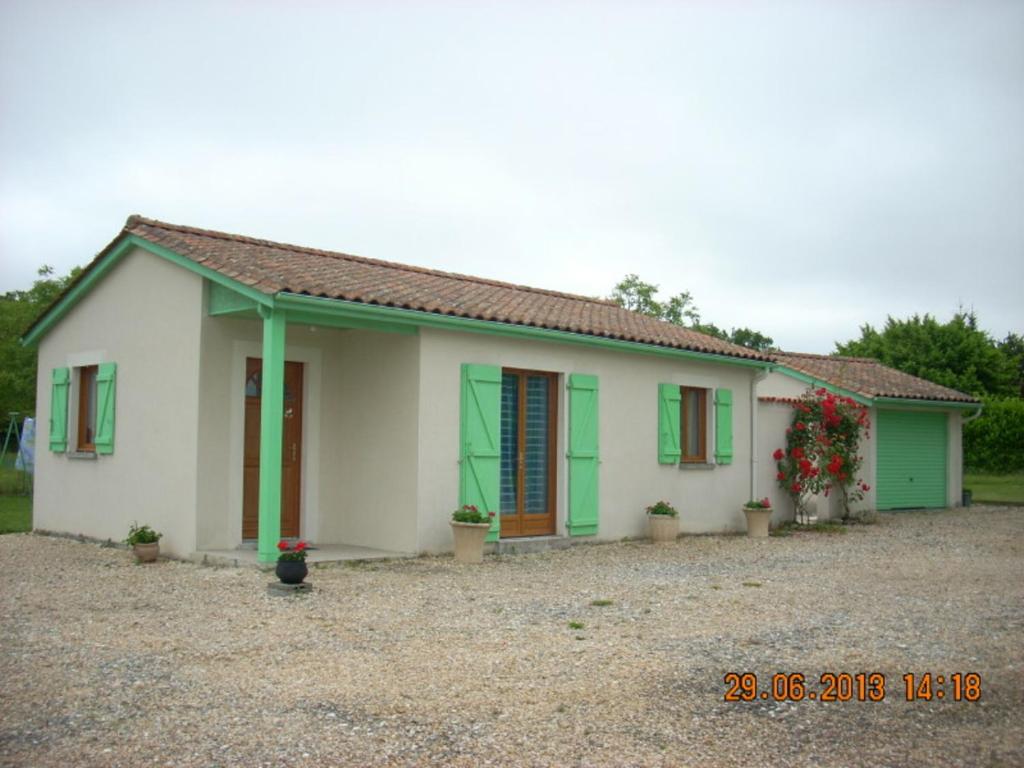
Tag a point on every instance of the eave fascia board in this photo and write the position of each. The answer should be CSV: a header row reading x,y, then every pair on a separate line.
x,y
815,382
115,253
399,316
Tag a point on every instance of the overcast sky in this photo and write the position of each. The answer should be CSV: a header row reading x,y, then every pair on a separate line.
x,y
799,168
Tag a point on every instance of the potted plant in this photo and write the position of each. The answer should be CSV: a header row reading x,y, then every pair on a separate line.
x,y
470,527
291,562
663,521
759,516
144,541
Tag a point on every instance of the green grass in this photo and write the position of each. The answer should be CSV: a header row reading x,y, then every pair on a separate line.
x,y
996,489
15,514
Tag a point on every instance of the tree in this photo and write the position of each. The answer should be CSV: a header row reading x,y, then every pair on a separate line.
x,y
956,354
1012,348
634,294
18,310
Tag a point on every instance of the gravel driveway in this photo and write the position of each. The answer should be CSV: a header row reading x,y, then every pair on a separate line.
x,y
425,662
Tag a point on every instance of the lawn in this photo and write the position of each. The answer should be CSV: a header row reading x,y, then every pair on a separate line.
x,y
15,514
996,489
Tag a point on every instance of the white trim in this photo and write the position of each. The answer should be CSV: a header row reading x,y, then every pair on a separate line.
x,y
309,509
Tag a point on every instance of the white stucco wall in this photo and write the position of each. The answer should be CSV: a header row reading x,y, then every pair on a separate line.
x,y
631,478
359,433
144,315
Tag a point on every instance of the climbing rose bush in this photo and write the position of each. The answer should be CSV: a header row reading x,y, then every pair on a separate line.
x,y
822,450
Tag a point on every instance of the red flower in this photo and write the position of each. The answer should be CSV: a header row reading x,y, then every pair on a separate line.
x,y
779,454
800,426
282,545
795,487
490,514
780,476
798,452
865,487
805,467
300,546
766,502
835,464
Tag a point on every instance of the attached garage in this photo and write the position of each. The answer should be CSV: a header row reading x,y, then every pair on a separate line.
x,y
912,449
912,456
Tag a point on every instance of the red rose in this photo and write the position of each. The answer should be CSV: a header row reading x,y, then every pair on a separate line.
x,y
300,546
765,502
805,467
779,454
282,545
798,452
800,426
795,487
780,476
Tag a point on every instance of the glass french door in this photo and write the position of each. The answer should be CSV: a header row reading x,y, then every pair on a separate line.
x,y
529,409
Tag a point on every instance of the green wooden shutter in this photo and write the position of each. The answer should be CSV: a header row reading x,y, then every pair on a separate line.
x,y
723,426
60,380
480,452
105,381
669,451
583,455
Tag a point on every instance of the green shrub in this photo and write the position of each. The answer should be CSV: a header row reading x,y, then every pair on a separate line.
x,y
994,442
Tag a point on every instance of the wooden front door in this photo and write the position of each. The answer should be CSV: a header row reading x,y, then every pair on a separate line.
x,y
529,417
291,453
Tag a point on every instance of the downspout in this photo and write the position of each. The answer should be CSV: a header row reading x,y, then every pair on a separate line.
x,y
759,376
972,417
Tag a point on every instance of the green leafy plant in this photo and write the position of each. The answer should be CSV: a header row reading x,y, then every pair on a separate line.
x,y
575,625
601,603
469,513
662,508
764,503
290,554
141,534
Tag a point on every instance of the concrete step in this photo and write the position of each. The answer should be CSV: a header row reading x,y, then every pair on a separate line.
x,y
531,544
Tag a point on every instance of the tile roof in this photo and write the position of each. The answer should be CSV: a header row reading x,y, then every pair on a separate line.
x,y
868,377
276,267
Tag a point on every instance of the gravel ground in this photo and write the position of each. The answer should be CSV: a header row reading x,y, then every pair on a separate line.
x,y
426,662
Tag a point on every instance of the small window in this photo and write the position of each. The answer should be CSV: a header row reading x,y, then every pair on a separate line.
x,y
694,425
87,407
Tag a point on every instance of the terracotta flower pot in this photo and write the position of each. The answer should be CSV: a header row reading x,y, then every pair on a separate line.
x,y
146,553
291,571
663,527
758,521
469,541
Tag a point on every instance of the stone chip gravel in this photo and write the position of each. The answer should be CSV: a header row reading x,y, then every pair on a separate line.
x,y
427,662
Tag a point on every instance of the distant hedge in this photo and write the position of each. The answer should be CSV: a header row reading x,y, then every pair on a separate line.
x,y
994,442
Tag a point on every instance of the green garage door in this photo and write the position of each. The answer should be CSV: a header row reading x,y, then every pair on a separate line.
x,y
911,459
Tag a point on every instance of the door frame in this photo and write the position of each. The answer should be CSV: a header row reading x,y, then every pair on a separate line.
x,y
554,473
309,469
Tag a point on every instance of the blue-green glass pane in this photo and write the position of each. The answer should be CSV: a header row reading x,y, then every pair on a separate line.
x,y
537,438
509,442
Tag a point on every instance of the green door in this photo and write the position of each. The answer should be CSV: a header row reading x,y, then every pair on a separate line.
x,y
911,459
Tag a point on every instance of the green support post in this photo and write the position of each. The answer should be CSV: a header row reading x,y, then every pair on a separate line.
x,y
271,428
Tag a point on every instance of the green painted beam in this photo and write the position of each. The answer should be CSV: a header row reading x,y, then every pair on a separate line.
x,y
222,300
271,432
95,272
416,318
817,383
909,402
324,318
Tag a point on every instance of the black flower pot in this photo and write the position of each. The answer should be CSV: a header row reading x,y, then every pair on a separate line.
x,y
291,571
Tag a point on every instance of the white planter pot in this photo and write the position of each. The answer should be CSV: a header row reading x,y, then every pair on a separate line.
x,y
663,527
469,541
758,521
